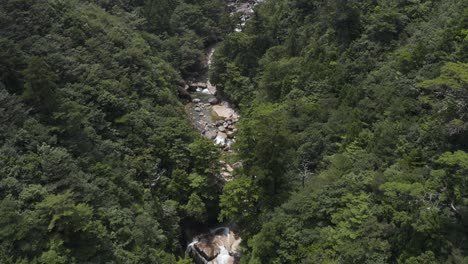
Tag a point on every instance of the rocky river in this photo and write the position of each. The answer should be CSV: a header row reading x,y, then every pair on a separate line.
x,y
216,120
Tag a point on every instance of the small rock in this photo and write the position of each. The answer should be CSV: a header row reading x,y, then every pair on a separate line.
x,y
230,134
222,129
201,114
229,168
196,101
197,109
225,124
237,165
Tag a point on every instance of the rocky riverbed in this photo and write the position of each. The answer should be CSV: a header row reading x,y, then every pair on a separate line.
x,y
213,117
216,120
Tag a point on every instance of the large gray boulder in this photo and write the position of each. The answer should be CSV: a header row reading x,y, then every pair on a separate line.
x,y
211,134
213,101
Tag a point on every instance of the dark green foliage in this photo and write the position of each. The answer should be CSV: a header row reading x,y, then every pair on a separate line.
x,y
353,135
354,119
97,161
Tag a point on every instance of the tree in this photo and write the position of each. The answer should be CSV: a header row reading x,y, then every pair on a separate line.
x,y
265,145
239,202
158,14
40,85
195,208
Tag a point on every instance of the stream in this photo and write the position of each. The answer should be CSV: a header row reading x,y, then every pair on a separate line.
x,y
216,120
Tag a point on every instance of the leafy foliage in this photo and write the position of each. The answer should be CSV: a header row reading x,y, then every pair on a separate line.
x,y
353,131
97,161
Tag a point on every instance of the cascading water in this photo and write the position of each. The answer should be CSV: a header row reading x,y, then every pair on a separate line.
x,y
218,246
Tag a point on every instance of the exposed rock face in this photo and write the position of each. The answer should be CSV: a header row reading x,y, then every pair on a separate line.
x,y
206,250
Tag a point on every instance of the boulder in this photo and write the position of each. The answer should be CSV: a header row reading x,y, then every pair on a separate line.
x,y
211,134
237,165
213,101
221,138
191,87
209,252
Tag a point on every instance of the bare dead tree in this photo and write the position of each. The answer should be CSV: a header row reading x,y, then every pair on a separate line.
x,y
304,171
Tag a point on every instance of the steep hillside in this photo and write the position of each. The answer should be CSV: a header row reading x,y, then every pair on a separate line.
x,y
98,163
353,131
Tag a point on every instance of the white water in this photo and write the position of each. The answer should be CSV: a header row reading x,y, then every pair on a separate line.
x,y
220,140
223,257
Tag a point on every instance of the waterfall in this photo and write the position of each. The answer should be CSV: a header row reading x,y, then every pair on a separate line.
x,y
223,257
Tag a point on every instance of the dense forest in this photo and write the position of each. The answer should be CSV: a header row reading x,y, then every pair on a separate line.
x,y
354,131
98,163
353,136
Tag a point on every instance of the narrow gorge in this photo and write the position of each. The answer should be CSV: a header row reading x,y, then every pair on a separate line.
x,y
215,118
